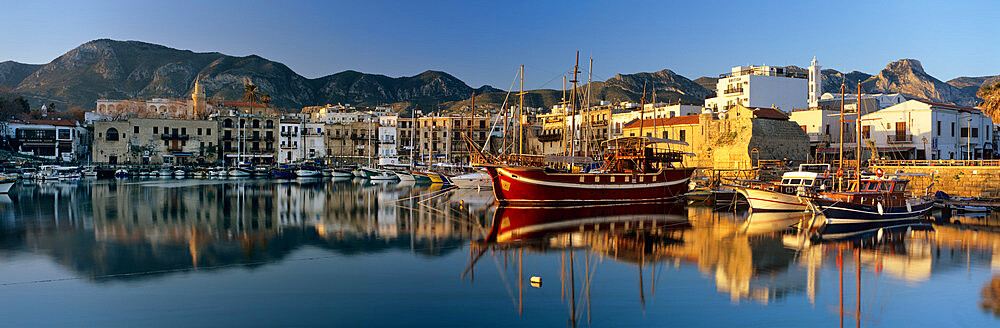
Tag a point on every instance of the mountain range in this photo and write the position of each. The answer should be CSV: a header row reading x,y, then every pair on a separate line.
x,y
131,69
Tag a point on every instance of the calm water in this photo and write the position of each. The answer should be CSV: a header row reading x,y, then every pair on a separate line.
x,y
317,252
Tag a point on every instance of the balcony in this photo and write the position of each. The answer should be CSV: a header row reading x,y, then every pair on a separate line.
x,y
733,90
253,138
174,136
227,138
898,139
288,134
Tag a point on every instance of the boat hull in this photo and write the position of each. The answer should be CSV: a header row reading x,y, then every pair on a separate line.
x,y
772,201
534,186
844,220
308,173
5,186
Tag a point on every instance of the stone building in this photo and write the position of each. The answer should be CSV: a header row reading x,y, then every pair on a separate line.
x,y
439,138
155,141
346,143
736,139
249,137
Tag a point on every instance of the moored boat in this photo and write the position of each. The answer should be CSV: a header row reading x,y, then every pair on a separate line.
x,y
6,183
873,203
784,196
634,171
472,180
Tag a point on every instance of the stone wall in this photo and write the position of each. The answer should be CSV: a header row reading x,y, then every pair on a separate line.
x,y
961,181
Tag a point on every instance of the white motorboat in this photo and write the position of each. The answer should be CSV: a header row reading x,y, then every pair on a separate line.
x,y
308,173
90,172
121,173
342,173
6,182
238,172
164,173
784,196
474,180
405,176
179,173
327,172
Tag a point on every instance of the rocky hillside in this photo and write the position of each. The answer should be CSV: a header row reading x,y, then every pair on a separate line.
x,y
12,73
907,77
128,69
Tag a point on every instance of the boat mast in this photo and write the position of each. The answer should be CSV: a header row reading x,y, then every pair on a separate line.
x,y
563,103
642,109
572,124
520,116
589,133
840,165
413,130
857,184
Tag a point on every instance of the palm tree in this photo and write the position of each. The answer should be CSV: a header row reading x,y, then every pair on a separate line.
x,y
265,99
250,93
991,100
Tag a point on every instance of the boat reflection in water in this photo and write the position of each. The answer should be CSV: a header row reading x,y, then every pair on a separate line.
x,y
525,223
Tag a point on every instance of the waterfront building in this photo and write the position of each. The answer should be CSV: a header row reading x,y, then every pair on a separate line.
x,y
763,87
821,125
155,141
248,137
347,142
918,129
736,139
387,139
439,138
622,117
300,140
62,140
288,141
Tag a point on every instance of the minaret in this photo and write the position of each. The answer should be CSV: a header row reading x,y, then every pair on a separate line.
x,y
198,103
815,83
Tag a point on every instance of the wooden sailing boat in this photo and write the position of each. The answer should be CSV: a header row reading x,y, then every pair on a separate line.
x,y
870,203
634,170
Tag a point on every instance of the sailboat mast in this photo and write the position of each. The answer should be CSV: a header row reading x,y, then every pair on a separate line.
x,y
642,109
520,116
840,165
572,124
857,173
590,75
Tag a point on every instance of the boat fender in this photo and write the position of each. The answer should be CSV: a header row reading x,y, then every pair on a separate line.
x,y
908,207
536,282
880,211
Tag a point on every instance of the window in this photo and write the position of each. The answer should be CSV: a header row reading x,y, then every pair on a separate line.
x,y
938,128
199,131
156,130
965,132
866,132
683,135
208,131
666,134
184,131
135,129
952,129
975,132
112,134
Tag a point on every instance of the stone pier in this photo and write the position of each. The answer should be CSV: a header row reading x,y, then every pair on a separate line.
x,y
961,181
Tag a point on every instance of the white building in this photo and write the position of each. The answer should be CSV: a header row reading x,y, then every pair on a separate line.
x,y
51,139
925,130
289,141
387,140
762,87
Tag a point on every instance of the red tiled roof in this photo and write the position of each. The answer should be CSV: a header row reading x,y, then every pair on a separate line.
x,y
242,104
53,122
769,113
686,119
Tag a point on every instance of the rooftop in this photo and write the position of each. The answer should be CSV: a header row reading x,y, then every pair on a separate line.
x,y
679,120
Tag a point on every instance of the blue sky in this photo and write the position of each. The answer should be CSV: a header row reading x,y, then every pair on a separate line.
x,y
483,42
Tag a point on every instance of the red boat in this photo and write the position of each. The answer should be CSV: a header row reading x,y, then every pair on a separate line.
x,y
633,171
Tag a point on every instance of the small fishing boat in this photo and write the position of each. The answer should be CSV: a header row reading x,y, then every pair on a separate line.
x,y
308,172
873,203
283,173
420,177
179,173
163,173
376,174
405,176
784,196
474,180
121,173
238,172
342,173
326,172
90,172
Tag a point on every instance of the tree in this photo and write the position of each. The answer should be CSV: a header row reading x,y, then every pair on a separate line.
x,y
991,100
251,94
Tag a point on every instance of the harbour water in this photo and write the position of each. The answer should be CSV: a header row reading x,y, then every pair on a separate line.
x,y
168,252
